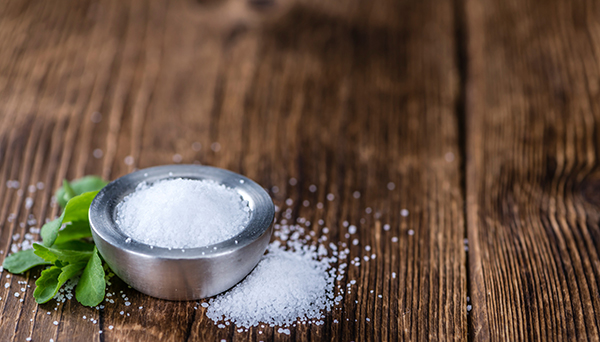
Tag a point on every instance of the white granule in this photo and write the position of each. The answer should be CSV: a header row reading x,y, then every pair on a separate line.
x,y
195,213
287,286
352,229
97,153
283,331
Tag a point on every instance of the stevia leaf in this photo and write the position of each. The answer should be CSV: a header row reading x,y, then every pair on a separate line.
x,y
91,287
49,230
22,261
64,255
46,284
70,271
74,231
69,192
55,280
75,245
79,186
77,208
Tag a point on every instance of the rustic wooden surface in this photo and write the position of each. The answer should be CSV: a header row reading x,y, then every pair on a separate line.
x,y
482,113
532,170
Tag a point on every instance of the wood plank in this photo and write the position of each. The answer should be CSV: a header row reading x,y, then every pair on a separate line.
x,y
348,98
532,170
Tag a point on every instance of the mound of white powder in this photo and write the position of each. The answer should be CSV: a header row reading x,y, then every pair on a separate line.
x,y
182,213
294,283
287,286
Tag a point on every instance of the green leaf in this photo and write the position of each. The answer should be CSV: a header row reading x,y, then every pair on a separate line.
x,y
78,207
49,230
46,284
74,231
74,245
22,261
53,279
69,272
69,192
76,210
79,186
91,288
64,255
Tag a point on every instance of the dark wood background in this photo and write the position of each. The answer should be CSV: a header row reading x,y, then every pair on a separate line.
x,y
484,114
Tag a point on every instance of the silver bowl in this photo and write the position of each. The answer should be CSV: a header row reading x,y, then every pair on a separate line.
x,y
170,273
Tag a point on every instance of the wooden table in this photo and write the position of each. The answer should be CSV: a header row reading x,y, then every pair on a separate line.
x,y
480,117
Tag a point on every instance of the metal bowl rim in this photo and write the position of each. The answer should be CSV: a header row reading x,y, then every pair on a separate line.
x,y
104,227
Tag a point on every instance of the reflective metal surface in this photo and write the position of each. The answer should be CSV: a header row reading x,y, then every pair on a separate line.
x,y
173,274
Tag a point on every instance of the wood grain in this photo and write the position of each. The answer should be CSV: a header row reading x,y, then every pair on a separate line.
x,y
348,97
532,173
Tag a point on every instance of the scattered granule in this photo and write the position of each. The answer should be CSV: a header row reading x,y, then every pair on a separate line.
x,y
352,229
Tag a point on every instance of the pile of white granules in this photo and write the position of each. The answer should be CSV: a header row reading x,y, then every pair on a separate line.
x,y
182,213
287,287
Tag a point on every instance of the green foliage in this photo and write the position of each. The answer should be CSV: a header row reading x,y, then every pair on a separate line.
x,y
67,250
78,187
75,211
23,261
91,287
73,232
